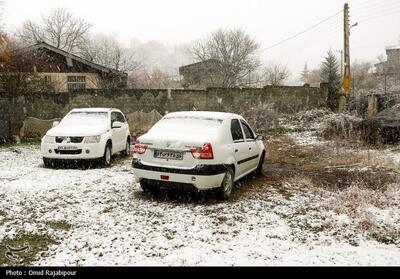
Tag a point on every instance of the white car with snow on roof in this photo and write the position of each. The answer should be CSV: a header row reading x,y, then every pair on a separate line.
x,y
197,150
87,134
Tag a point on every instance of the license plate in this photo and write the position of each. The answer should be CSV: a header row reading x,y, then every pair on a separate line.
x,y
170,155
68,147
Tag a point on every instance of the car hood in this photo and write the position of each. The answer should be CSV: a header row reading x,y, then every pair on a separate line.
x,y
78,130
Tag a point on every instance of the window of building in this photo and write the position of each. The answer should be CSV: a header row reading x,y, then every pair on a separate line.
x,y
47,79
76,83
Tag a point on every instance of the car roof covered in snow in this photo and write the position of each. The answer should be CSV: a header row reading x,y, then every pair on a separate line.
x,y
204,114
94,109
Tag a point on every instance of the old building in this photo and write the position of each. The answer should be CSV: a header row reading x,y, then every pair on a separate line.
x,y
392,65
201,75
56,70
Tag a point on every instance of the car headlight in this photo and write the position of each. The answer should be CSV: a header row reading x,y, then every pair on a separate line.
x,y
49,139
92,139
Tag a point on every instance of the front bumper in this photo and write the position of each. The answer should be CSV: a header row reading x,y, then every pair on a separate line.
x,y
201,177
82,151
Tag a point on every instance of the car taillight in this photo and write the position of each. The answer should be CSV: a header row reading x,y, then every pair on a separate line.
x,y
139,148
205,153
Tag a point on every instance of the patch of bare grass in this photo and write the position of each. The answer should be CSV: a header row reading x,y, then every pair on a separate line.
x,y
59,225
23,249
353,202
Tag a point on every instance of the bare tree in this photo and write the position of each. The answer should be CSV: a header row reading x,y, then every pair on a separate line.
x,y
154,78
1,15
59,28
235,51
17,68
275,74
363,78
109,52
314,78
381,58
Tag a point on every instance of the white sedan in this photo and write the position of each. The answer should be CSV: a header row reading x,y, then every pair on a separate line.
x,y
88,134
197,150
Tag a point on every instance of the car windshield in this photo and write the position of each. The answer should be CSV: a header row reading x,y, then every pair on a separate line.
x,y
85,118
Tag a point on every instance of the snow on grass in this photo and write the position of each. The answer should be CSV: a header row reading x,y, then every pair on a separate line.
x,y
307,138
101,217
389,154
375,211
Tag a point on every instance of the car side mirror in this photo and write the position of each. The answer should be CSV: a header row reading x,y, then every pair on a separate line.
x,y
259,137
116,124
55,123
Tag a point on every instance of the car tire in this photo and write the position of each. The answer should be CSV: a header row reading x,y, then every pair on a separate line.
x,y
127,150
48,163
227,184
258,172
106,160
149,189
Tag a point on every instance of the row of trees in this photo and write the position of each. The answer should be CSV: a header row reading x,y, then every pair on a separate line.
x,y
363,78
64,30
239,59
237,52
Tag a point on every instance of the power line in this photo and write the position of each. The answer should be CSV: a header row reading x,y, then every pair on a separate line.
x,y
369,5
302,32
366,15
377,10
379,16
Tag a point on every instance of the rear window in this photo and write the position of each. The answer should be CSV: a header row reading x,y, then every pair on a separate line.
x,y
188,124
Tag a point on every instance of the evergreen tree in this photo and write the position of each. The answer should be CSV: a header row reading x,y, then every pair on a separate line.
x,y
305,74
330,74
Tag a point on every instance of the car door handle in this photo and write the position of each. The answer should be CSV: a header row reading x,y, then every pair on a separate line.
x,y
236,150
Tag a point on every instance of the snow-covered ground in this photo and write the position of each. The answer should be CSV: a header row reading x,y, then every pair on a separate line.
x,y
114,223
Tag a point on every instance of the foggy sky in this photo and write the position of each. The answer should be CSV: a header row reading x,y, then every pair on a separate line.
x,y
182,21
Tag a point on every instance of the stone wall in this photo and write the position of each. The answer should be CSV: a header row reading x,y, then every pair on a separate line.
x,y
16,107
380,102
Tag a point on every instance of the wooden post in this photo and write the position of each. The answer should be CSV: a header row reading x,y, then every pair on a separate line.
x,y
346,77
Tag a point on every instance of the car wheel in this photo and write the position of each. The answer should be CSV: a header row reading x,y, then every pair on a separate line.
x,y
127,150
151,189
47,163
107,155
258,171
227,184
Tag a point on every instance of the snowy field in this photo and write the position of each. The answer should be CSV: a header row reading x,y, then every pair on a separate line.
x,y
100,216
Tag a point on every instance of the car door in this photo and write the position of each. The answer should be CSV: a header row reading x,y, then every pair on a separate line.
x,y
253,148
239,146
118,135
124,130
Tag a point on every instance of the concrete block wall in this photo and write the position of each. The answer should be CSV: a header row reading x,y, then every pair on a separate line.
x,y
16,107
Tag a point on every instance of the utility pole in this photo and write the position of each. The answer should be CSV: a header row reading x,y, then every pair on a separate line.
x,y
341,62
346,89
